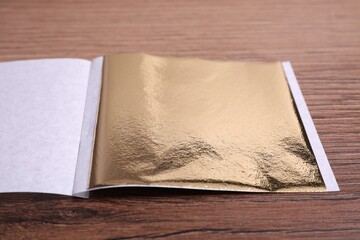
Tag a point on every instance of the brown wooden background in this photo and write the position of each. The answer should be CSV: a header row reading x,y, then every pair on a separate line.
x,y
321,38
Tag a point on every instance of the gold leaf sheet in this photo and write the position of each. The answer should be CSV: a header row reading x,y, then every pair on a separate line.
x,y
194,123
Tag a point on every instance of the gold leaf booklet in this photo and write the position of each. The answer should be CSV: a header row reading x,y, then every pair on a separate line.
x,y
70,126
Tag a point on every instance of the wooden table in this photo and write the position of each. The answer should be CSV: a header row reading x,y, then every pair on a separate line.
x,y
321,38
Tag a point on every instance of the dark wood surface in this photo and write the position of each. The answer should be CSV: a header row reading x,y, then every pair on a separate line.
x,y
321,38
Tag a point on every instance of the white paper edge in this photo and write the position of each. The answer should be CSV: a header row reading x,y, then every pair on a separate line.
x,y
83,166
319,152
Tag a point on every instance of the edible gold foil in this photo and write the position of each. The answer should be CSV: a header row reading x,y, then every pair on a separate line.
x,y
195,123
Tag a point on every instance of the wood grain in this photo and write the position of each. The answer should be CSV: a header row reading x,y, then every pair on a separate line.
x,y
321,38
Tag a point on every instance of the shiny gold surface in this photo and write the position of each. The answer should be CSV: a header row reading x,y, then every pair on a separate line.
x,y
200,124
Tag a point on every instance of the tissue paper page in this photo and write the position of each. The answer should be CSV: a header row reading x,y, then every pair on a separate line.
x,y
41,109
83,166
200,124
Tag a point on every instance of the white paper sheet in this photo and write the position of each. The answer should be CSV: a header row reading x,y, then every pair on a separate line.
x,y
41,113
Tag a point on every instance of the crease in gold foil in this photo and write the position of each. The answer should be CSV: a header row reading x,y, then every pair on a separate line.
x,y
194,123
